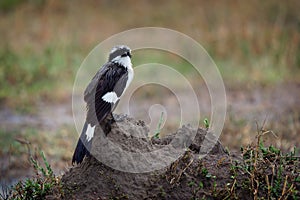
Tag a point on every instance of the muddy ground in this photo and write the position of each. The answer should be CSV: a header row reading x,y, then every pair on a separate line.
x,y
177,180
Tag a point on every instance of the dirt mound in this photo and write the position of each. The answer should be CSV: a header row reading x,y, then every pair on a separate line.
x,y
190,175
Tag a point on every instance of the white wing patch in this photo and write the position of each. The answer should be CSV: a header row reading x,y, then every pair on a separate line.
x,y
90,132
110,97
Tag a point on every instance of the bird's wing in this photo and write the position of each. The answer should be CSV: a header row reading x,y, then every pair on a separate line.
x,y
110,80
90,89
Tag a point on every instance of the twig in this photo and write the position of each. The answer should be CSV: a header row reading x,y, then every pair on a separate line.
x,y
27,143
269,187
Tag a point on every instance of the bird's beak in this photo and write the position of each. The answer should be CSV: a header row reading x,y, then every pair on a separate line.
x,y
129,54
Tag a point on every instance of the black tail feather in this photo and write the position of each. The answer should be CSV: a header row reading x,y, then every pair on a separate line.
x,y
83,147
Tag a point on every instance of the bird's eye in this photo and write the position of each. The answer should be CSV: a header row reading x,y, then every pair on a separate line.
x,y
126,54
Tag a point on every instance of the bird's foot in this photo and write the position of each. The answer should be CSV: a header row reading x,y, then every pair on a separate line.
x,y
107,123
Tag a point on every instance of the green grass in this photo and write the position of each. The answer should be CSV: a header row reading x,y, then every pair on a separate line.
x,y
255,43
271,173
162,57
9,144
29,77
15,142
157,132
38,187
19,145
7,5
260,70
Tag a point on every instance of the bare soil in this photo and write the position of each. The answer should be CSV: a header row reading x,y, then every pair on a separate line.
x,y
198,173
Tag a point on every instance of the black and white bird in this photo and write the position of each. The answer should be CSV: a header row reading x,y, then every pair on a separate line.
x,y
103,94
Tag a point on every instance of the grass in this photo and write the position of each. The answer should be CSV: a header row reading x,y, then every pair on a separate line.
x,y
206,123
264,171
241,129
156,134
259,171
162,57
16,140
271,173
29,78
19,146
246,50
20,150
40,186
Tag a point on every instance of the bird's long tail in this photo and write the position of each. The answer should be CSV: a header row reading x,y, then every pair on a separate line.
x,y
84,144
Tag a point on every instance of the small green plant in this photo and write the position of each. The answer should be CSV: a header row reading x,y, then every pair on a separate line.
x,y
158,129
206,123
214,188
204,171
200,185
191,184
196,188
206,174
39,186
46,172
162,192
209,175
269,171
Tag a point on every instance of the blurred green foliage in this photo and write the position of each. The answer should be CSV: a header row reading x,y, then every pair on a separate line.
x,y
6,5
9,5
45,41
29,77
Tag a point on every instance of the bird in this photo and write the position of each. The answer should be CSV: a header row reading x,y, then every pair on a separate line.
x,y
102,96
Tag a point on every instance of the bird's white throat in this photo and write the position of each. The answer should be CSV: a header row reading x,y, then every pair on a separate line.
x,y
124,61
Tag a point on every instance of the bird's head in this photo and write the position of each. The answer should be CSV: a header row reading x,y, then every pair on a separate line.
x,y
120,53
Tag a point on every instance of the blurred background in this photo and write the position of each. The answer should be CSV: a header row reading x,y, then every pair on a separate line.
x,y
256,46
